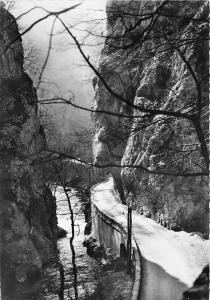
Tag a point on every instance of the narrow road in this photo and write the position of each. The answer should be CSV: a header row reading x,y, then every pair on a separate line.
x,y
171,261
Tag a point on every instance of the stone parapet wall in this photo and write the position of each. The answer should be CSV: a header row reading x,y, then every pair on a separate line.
x,y
111,234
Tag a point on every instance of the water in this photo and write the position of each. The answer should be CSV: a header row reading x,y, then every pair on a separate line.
x,y
87,267
46,287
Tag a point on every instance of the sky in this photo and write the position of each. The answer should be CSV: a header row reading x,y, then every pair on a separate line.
x,y
66,70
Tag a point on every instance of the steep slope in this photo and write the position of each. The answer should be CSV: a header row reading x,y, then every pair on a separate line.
x,y
156,57
28,209
119,71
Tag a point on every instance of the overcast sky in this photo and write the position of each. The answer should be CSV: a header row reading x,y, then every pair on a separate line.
x,y
66,68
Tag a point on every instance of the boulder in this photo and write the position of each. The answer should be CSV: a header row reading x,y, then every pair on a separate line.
x,y
61,233
98,251
87,230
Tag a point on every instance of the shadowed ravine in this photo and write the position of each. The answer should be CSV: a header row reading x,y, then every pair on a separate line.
x,y
47,286
86,266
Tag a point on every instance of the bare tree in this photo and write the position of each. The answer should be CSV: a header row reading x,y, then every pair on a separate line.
x,y
137,36
63,182
156,32
189,112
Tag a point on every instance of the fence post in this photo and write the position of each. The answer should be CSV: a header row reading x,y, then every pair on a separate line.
x,y
129,240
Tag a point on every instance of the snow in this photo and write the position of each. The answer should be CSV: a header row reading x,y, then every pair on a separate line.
x,y
171,261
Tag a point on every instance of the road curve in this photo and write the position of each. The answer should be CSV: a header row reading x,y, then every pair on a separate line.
x,y
171,261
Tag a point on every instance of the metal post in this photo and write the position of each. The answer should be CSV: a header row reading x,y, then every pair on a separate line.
x,y
129,241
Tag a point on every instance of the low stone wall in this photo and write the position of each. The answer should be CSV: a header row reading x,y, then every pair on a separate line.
x,y
108,233
112,235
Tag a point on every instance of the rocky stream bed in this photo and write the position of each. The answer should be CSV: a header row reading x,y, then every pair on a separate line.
x,y
93,281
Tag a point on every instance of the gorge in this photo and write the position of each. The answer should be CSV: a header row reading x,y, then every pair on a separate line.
x,y
148,139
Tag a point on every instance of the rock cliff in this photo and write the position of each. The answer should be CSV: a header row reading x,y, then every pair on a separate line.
x,y
155,59
28,209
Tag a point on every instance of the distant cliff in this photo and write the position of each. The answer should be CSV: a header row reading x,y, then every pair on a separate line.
x,y
28,209
156,57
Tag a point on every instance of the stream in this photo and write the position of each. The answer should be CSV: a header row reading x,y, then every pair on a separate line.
x,y
87,267
46,287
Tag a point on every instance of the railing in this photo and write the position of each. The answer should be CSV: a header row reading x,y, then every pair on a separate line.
x,y
118,227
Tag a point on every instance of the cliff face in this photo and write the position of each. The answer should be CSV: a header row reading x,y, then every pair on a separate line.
x,y
151,63
119,71
28,210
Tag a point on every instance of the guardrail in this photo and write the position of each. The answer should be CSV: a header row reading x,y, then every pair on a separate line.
x,y
136,251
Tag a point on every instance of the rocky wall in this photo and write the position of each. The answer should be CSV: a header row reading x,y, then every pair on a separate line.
x,y
28,209
141,63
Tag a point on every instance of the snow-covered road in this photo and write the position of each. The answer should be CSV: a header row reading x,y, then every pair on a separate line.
x,y
171,261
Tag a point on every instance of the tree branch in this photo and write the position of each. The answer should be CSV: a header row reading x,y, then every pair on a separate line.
x,y
60,155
